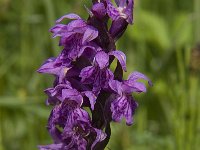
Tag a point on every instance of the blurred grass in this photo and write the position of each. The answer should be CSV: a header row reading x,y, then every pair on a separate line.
x,y
162,43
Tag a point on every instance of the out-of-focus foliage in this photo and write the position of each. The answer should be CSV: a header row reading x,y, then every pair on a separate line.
x,y
163,43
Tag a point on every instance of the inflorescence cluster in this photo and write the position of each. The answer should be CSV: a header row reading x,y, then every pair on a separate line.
x,y
86,95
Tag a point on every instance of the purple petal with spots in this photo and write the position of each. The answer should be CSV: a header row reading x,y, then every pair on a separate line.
x,y
55,94
77,133
66,116
77,26
86,74
108,76
78,114
123,106
102,59
124,10
113,13
72,94
52,122
90,34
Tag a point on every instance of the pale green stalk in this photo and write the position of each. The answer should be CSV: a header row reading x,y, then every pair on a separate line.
x,y
50,14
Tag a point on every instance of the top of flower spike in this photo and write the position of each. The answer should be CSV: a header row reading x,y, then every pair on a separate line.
x,y
99,10
124,10
77,26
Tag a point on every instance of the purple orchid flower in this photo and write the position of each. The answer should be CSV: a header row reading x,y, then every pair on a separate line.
x,y
121,16
62,92
79,133
56,66
98,74
74,35
76,136
122,102
66,113
75,123
83,78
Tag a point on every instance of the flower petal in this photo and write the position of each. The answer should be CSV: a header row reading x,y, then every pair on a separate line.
x,y
51,147
137,75
123,106
113,13
100,136
130,110
116,86
108,76
72,94
92,98
55,94
86,74
53,131
77,26
129,87
102,59
68,16
121,3
99,10
124,10
49,67
90,34
129,11
58,29
91,50
121,58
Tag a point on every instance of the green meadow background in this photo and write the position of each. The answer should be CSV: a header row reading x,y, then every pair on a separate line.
x,y
163,43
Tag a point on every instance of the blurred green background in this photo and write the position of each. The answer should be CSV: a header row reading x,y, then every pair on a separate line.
x,y
163,43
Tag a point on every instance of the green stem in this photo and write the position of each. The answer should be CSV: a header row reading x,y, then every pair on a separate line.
x,y
181,101
197,16
1,128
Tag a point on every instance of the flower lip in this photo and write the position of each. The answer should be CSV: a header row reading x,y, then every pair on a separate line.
x,y
102,59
